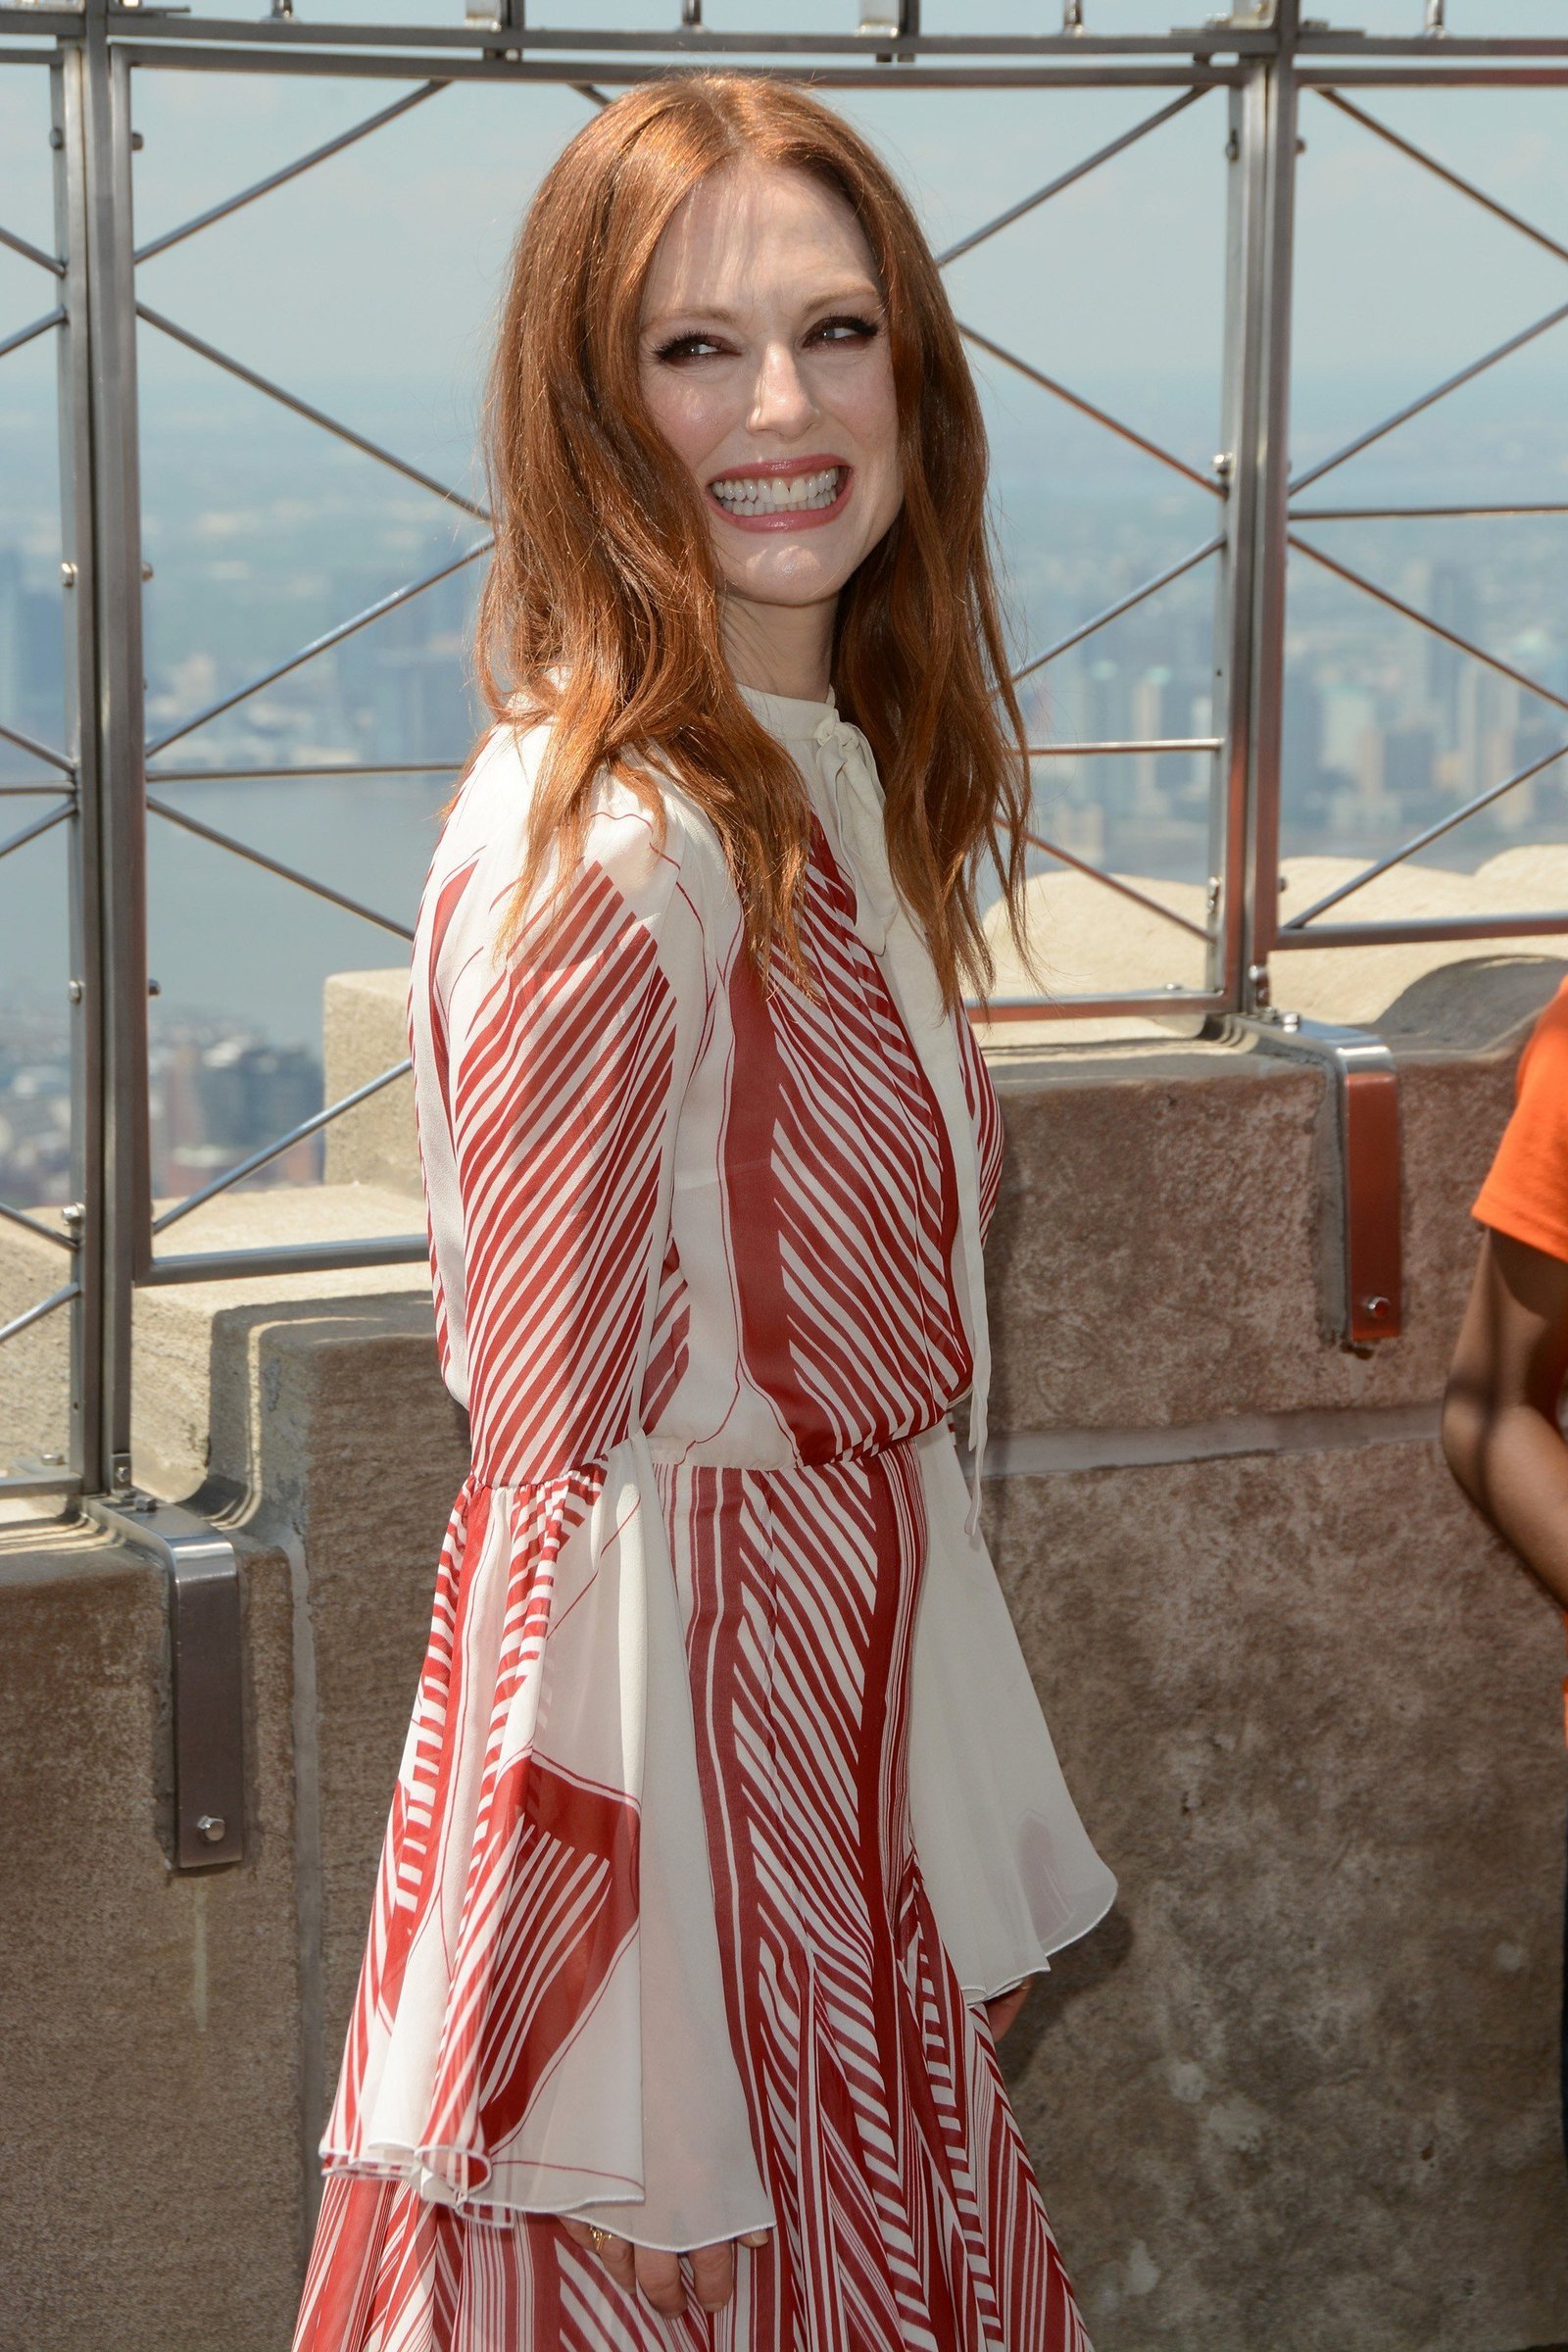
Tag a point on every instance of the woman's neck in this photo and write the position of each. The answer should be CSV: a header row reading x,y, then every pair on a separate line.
x,y
780,649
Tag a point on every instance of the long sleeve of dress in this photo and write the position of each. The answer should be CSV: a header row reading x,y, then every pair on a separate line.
x,y
541,2032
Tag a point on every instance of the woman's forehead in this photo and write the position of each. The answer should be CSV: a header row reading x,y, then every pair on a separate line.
x,y
752,228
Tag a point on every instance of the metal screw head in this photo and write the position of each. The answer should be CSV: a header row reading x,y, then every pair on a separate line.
x,y
73,1214
1224,463
213,1828
1290,1021
67,572
1377,1309
73,990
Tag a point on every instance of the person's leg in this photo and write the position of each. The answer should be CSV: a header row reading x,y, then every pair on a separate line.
x,y
1564,2051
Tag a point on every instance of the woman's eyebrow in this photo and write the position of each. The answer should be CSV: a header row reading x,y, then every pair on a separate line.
x,y
863,293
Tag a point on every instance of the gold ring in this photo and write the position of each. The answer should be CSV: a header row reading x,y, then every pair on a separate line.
x,y
601,2237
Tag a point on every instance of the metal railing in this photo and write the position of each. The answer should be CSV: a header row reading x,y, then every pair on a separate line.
x,y
105,781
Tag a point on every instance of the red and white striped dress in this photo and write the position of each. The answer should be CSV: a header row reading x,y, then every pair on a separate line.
x,y
727,1798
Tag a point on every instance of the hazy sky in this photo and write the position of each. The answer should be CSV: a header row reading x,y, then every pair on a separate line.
x,y
382,266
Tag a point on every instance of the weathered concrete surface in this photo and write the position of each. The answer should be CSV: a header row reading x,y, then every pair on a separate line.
x,y
1157,1256
355,1451
365,1030
1297,2094
35,1366
149,2069
193,1400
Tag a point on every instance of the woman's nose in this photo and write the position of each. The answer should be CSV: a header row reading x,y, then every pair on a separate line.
x,y
781,400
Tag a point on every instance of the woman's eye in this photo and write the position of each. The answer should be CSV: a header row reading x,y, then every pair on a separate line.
x,y
845,330
689,347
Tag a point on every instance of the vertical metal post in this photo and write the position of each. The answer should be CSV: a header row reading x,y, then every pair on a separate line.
x,y
116,1010
1277,92
79,573
1237,463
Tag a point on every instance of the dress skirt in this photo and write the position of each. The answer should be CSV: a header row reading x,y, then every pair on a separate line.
x,y
906,2210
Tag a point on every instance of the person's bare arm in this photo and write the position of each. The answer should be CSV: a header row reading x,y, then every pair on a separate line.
x,y
1500,1414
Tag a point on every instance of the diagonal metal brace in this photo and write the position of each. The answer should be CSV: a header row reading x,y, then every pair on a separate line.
x,y
1363,1262
206,1671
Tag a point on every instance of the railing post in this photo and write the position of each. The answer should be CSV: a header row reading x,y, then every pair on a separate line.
x,y
77,586
1278,96
114,823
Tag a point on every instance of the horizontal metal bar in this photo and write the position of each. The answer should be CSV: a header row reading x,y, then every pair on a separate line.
x,y
1136,1004
292,1257
1424,840
1419,513
28,792
276,775
40,824
1150,743
1416,929
601,53
1453,384
30,334
39,751
1123,890
1068,178
499,64
306,408
1162,579
1452,180
32,253
20,1485
1424,621
279,179
320,645
1089,408
284,1142
1457,76
45,1232
276,865
36,1314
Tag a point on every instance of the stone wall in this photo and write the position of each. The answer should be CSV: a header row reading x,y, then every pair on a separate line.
x,y
1297,2094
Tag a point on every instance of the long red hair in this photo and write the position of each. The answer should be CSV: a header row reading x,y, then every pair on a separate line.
x,y
602,605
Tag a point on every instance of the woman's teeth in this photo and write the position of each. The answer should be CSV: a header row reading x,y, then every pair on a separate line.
x,y
778,494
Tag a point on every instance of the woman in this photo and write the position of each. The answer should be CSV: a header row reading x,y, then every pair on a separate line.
x,y
727,1831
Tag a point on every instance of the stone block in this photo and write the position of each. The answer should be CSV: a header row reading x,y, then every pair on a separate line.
x,y
150,2072
1158,1252
365,1030
35,1365
1299,2090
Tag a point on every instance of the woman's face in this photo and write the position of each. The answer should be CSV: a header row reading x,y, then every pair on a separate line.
x,y
765,363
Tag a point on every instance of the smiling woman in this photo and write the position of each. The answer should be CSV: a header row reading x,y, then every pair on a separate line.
x,y
728,1828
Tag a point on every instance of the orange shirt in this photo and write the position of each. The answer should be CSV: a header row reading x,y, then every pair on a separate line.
x,y
1526,1195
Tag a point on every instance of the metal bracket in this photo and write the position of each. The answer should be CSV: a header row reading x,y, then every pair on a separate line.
x,y
1366,1275
206,1671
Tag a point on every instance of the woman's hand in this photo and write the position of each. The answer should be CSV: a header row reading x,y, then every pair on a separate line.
x,y
657,2276
1000,2012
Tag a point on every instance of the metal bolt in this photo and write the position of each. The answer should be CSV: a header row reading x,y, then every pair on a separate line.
x,y
1233,148
68,573
1257,982
212,1827
57,139
1436,28
1224,465
75,991
73,1215
1072,16
155,988
146,571
137,142
1290,1022
1212,896
1377,1309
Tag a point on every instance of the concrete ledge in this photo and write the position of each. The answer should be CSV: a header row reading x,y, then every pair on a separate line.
x,y
149,2076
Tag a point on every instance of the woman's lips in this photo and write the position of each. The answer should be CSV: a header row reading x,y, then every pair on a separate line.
x,y
763,517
